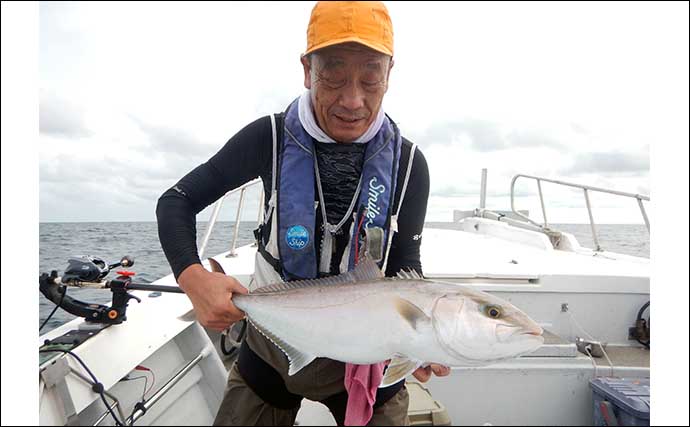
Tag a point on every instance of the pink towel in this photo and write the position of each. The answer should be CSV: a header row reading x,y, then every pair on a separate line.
x,y
361,383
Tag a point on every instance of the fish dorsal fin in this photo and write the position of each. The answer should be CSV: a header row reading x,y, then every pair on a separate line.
x,y
398,369
297,359
299,284
365,270
409,274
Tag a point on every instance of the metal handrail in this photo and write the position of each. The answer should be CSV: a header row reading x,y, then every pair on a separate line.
x,y
586,189
216,210
151,401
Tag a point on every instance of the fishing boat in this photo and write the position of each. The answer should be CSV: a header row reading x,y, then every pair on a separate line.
x,y
591,303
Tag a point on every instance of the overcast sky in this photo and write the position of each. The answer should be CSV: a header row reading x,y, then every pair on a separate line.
x,y
135,95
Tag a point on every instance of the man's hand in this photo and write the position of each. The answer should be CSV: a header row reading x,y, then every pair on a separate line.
x,y
423,374
211,296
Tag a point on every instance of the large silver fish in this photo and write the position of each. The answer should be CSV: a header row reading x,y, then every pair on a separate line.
x,y
362,317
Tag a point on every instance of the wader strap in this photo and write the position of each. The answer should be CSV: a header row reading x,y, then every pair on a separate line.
x,y
274,168
274,165
265,381
394,217
261,248
413,149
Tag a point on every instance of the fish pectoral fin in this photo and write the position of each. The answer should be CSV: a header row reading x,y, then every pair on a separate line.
x,y
297,358
398,369
414,315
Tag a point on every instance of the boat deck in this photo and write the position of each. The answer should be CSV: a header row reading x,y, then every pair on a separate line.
x,y
563,290
625,357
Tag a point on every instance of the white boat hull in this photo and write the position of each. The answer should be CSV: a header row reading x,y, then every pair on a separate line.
x,y
565,290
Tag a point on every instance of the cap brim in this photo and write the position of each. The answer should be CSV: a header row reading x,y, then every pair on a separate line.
x,y
351,39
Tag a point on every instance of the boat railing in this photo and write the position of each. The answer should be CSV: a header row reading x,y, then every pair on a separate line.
x,y
238,216
586,189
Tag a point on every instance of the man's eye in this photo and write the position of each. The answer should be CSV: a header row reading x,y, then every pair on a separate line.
x,y
335,83
373,86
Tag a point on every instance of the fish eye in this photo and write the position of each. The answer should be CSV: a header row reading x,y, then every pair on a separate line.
x,y
493,312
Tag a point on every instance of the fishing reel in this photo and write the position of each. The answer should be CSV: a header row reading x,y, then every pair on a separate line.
x,y
90,271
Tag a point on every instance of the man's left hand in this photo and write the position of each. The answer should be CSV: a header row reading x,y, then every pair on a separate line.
x,y
423,374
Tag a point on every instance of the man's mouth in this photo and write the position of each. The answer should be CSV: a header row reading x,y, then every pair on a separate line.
x,y
348,120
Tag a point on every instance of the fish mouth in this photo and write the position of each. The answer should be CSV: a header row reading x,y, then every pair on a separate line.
x,y
533,335
508,332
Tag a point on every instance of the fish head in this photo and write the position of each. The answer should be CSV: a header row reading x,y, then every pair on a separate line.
x,y
478,328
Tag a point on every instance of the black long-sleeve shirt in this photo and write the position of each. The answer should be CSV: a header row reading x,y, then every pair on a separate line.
x,y
248,155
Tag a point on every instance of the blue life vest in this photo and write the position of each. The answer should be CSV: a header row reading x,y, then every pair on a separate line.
x,y
296,186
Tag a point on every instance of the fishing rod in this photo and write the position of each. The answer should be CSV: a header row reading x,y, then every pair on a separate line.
x,y
90,272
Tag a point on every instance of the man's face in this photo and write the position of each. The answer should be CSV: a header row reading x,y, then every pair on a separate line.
x,y
347,83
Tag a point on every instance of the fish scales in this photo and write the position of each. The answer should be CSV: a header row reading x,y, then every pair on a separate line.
x,y
361,317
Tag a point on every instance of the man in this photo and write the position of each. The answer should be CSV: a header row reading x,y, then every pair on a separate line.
x,y
336,168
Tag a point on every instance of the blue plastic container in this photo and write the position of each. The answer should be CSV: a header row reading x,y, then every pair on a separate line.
x,y
621,401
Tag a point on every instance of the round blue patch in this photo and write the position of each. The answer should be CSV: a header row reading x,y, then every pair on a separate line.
x,y
297,237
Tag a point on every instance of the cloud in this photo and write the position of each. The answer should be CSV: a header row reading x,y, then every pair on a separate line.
x,y
454,191
482,135
580,129
59,117
113,189
111,186
534,138
119,172
515,110
472,189
613,162
171,140
487,135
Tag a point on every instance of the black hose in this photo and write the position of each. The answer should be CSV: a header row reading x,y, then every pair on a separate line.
x,y
240,336
96,387
62,297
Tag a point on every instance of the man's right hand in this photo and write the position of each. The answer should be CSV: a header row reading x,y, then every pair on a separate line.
x,y
211,296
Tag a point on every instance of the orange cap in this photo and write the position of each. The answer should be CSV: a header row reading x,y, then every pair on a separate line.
x,y
364,22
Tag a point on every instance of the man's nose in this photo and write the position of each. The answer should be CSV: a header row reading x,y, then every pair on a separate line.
x,y
352,97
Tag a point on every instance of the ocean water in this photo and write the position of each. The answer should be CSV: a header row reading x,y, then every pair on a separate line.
x,y
629,239
112,240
